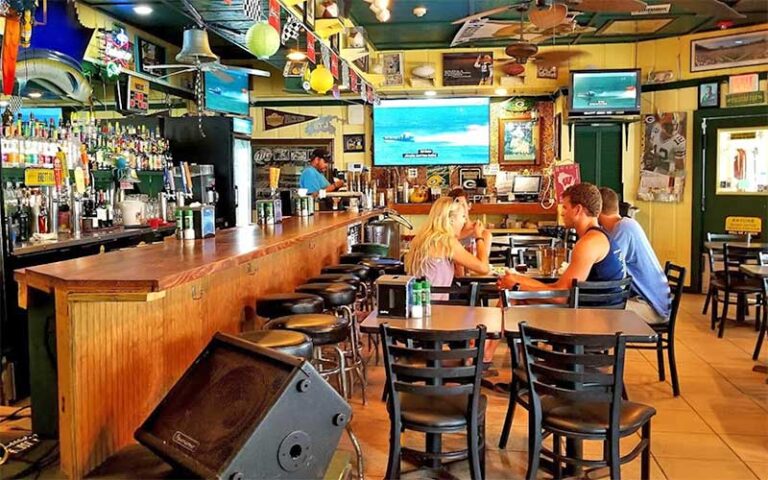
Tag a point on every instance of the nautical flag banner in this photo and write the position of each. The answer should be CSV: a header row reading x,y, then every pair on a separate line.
x,y
334,66
274,14
311,47
363,90
352,80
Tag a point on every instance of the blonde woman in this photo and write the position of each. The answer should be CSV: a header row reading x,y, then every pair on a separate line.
x,y
436,248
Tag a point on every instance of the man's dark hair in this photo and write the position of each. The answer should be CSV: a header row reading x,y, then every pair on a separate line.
x,y
586,195
457,193
320,153
610,201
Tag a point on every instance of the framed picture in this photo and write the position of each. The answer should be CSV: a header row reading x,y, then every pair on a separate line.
x,y
518,142
309,14
362,63
295,68
393,69
335,42
468,69
354,143
729,52
546,71
149,54
709,95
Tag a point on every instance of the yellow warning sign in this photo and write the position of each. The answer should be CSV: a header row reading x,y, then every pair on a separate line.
x,y
743,224
39,177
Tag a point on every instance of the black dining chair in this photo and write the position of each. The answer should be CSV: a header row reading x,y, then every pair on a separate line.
x,y
577,396
457,294
435,390
666,330
764,324
611,294
518,385
748,291
715,261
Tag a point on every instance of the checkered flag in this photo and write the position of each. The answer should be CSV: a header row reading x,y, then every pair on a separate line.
x,y
14,103
326,54
291,29
253,9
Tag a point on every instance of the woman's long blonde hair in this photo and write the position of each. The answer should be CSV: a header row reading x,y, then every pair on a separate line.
x,y
433,240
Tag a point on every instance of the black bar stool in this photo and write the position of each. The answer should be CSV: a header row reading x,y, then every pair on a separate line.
x,y
280,304
357,257
340,299
349,278
380,249
286,341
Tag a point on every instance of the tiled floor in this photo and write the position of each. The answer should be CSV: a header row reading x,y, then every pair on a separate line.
x,y
717,429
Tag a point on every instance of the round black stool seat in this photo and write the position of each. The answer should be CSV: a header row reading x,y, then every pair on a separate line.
x,y
322,329
281,304
379,249
380,266
334,294
285,341
361,271
357,257
349,278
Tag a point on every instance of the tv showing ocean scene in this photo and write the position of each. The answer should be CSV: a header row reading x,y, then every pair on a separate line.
x,y
450,131
605,92
226,91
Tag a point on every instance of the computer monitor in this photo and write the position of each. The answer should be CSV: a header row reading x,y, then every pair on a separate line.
x,y
526,184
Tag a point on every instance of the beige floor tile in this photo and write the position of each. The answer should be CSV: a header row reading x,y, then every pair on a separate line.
x,y
688,469
690,445
760,469
738,423
750,448
679,422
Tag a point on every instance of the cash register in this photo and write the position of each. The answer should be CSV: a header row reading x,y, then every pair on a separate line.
x,y
526,188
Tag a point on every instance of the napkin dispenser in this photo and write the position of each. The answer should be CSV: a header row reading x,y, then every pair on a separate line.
x,y
394,294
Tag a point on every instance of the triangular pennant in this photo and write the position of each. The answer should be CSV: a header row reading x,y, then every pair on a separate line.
x,y
344,83
334,66
311,47
277,119
274,14
370,95
363,92
325,54
352,80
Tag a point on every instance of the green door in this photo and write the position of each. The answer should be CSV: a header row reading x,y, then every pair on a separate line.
x,y
598,153
733,154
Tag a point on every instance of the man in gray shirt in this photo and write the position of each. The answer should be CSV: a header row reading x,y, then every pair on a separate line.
x,y
649,284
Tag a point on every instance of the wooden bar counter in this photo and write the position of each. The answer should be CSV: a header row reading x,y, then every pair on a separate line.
x,y
129,323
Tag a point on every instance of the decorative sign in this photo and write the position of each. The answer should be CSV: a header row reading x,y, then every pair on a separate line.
x,y
334,66
749,82
274,14
311,47
150,54
277,119
565,176
138,94
438,176
662,173
352,80
39,177
737,225
467,69
744,99
118,47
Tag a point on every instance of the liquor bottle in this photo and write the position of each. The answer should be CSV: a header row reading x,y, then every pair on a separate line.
x,y
101,210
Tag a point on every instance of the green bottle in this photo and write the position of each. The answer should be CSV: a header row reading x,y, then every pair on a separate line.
x,y
417,311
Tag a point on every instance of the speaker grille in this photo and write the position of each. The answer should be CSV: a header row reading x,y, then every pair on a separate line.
x,y
212,410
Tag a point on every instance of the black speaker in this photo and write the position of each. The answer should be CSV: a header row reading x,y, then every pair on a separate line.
x,y
243,411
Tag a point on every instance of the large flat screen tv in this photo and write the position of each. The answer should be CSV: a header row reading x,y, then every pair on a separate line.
x,y
451,131
226,91
604,92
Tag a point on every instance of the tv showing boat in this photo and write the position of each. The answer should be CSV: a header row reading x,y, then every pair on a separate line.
x,y
450,131
604,92
226,91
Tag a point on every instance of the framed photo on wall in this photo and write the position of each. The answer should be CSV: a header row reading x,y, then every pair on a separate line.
x,y
149,54
309,14
731,51
393,69
518,142
709,95
354,143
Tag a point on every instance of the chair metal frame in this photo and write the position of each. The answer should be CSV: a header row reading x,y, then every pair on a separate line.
x,y
733,257
764,324
600,294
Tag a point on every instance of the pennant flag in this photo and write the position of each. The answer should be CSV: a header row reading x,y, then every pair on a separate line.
x,y
370,95
277,119
274,14
334,66
352,80
311,47
326,55
363,89
344,83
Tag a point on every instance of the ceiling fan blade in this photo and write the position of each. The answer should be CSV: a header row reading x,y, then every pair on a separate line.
x,y
194,13
548,17
178,72
556,57
608,6
484,13
251,71
713,8
163,67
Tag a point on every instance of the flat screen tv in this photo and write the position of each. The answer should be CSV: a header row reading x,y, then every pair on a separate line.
x,y
604,92
450,131
226,91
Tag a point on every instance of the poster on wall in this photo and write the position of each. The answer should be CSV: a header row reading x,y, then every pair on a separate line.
x,y
467,69
662,169
732,51
393,69
741,165
565,176
518,142
150,54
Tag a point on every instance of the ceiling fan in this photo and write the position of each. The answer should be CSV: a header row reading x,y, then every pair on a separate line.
x,y
196,54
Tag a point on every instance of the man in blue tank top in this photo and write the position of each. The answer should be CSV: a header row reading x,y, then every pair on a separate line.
x,y
595,256
649,284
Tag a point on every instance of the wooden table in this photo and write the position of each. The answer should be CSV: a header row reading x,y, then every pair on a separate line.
x,y
592,321
758,271
750,245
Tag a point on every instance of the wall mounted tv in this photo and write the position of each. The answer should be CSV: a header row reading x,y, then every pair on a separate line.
x,y
450,131
604,92
226,91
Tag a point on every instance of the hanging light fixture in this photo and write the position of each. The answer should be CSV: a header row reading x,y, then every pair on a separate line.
x,y
262,40
296,54
321,80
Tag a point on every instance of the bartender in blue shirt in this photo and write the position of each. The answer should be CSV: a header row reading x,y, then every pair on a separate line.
x,y
312,177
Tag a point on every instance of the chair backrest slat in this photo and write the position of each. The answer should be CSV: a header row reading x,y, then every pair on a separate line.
x,y
557,375
611,294
465,294
432,355
510,298
562,359
676,280
733,258
431,390
592,395
433,372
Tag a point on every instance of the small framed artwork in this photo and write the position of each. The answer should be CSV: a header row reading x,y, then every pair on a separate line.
x,y
149,54
393,69
309,14
709,95
518,142
738,50
354,143
546,71
295,68
335,42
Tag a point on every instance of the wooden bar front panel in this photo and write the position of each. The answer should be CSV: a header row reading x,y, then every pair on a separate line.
x,y
117,359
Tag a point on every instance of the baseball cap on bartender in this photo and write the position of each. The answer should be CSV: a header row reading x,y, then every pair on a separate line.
x,y
321,153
